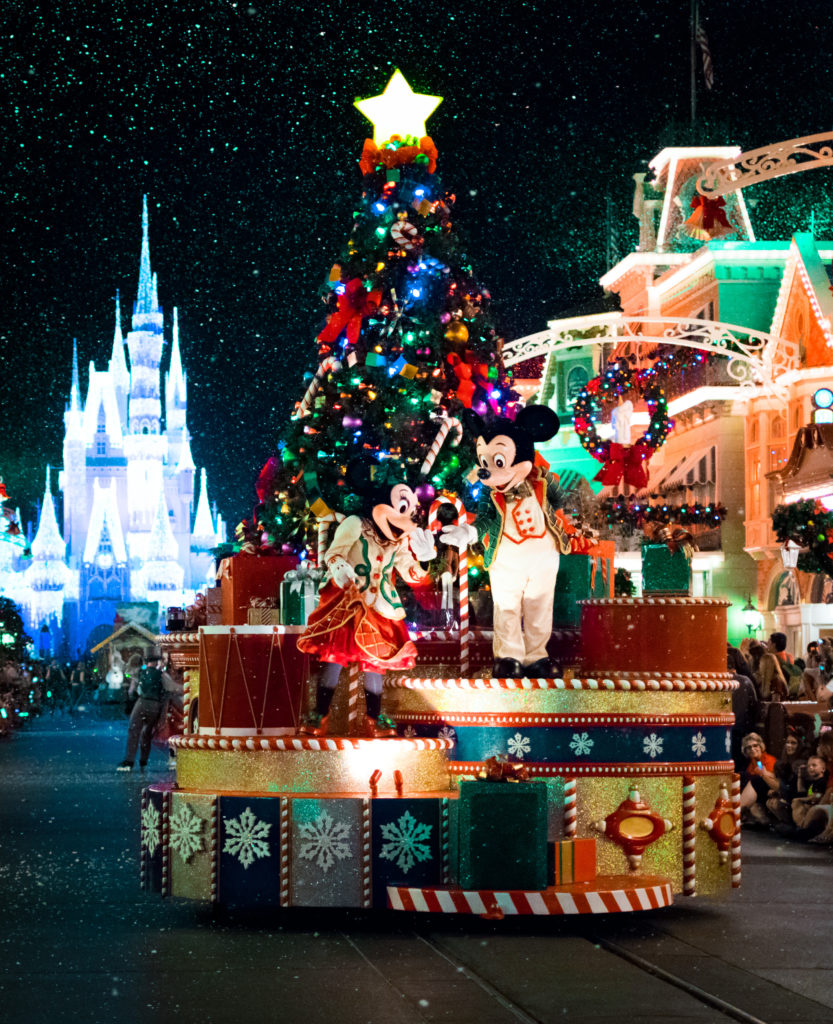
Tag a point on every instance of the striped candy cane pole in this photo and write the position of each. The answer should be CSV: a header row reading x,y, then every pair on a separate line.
x,y
736,836
328,365
213,848
284,840
570,814
367,867
442,433
464,614
689,834
354,688
166,849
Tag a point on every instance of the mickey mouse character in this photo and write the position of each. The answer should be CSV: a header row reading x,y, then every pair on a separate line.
x,y
523,534
360,617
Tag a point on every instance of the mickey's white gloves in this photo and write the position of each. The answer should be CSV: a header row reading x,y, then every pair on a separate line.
x,y
342,573
422,545
459,536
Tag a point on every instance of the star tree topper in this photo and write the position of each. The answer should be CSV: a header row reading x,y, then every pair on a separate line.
x,y
398,110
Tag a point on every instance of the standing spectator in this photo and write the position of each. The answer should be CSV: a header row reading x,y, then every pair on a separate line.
x,y
152,686
771,682
744,707
76,686
56,684
756,652
790,671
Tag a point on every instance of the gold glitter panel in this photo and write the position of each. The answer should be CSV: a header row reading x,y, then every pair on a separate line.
x,y
314,771
399,701
189,841
596,798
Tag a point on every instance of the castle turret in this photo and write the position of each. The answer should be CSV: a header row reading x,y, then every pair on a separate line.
x,y
47,576
164,576
72,479
144,344
118,368
203,539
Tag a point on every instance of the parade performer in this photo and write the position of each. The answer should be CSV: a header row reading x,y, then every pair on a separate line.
x,y
360,619
523,532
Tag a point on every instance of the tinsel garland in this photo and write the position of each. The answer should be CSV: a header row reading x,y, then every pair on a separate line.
x,y
623,512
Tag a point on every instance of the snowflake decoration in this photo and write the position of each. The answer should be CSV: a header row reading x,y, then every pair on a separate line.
x,y
324,841
518,746
150,828
447,733
186,831
407,842
409,731
728,742
581,744
698,744
246,837
652,744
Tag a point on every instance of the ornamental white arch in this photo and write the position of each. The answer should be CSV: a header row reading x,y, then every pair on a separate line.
x,y
774,161
755,358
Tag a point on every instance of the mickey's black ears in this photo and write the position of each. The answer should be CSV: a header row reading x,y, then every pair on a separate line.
x,y
538,421
358,475
473,423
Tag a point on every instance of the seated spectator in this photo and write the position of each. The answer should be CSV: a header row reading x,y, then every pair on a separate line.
x,y
812,808
757,780
786,770
813,687
771,682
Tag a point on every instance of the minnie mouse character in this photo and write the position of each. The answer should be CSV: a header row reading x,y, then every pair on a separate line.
x,y
523,533
360,618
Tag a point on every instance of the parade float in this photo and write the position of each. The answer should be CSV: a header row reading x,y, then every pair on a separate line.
x,y
361,731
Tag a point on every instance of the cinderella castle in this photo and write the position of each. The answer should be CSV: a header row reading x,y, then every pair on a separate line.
x,y
129,537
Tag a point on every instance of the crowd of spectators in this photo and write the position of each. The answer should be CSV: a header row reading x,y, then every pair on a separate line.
x,y
789,790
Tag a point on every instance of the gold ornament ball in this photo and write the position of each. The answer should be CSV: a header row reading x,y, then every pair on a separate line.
x,y
457,333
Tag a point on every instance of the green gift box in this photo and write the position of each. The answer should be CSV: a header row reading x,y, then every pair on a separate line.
x,y
664,572
498,836
299,596
581,577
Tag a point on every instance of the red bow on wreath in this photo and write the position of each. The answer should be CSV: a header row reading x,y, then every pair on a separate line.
x,y
630,461
708,220
354,304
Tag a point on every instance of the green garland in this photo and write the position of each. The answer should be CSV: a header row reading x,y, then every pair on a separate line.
x,y
810,525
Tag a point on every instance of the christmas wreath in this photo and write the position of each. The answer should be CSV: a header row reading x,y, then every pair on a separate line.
x,y
810,525
620,461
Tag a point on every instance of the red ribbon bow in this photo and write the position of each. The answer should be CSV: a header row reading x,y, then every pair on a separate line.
x,y
630,461
354,304
711,212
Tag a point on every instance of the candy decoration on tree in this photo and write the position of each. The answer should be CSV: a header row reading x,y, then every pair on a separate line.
x,y
708,220
329,365
354,304
446,425
405,234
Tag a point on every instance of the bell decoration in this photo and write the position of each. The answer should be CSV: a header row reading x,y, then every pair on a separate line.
x,y
708,220
457,333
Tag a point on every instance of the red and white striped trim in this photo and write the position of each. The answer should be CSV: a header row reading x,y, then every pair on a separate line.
x,y
633,768
736,857
620,896
497,718
689,837
711,602
177,639
191,742
570,809
690,681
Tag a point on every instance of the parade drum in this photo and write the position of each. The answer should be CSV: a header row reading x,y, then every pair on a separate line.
x,y
252,680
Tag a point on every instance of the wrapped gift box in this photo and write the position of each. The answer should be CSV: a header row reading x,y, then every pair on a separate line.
x,y
299,595
573,860
214,606
499,835
664,572
248,576
262,616
581,577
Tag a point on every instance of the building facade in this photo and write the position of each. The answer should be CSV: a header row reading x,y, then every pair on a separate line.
x,y
130,530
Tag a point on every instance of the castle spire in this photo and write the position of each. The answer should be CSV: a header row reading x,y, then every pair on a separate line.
x,y
48,545
75,390
203,525
145,297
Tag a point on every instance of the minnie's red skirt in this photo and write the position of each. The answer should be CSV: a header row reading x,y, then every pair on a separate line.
x,y
342,629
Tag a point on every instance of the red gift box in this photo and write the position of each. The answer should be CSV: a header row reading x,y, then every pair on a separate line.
x,y
248,576
574,861
252,680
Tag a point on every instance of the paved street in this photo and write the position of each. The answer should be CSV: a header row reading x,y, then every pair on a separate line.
x,y
80,942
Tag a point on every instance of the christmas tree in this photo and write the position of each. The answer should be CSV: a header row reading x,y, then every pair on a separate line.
x,y
408,343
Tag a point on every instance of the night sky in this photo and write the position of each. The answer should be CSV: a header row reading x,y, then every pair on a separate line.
x,y
238,122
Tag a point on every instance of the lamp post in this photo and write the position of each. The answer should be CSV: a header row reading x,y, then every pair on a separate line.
x,y
751,616
789,554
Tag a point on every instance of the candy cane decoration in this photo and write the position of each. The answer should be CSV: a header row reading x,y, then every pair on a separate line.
x,y
442,434
330,364
463,571
324,535
570,815
354,688
736,836
689,834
